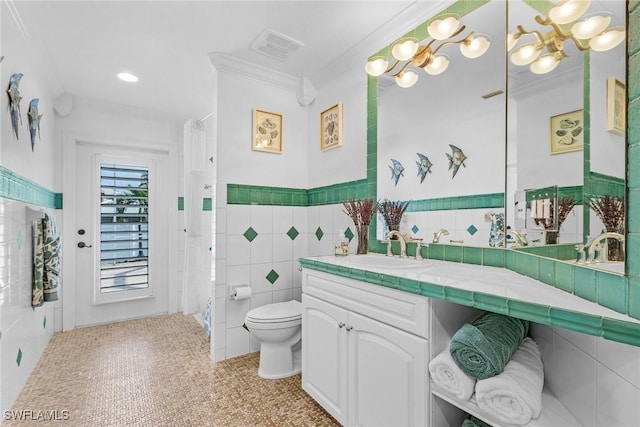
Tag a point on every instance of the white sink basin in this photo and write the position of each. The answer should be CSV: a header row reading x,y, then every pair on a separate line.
x,y
385,262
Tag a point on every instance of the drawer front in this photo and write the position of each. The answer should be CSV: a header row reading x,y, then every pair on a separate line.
x,y
399,309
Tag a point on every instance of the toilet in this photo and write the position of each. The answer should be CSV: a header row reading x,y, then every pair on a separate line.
x,y
278,327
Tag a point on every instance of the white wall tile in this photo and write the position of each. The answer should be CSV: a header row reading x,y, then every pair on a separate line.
x,y
238,219
238,250
621,358
219,336
586,343
258,300
220,271
238,341
282,248
236,312
618,400
239,275
285,279
282,219
575,373
283,295
262,219
301,218
262,248
259,282
220,310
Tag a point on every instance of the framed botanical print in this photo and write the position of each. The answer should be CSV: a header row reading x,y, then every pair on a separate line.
x,y
331,127
567,132
267,131
616,106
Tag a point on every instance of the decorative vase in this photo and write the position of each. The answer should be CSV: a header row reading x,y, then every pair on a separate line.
x,y
551,237
363,239
615,250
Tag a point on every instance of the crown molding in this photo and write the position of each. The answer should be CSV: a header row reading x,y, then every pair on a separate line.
x,y
226,63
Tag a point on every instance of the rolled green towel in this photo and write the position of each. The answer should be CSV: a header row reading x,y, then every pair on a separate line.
x,y
482,349
472,421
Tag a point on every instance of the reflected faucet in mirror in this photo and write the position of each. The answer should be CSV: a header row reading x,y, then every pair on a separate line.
x,y
438,234
519,239
403,242
596,245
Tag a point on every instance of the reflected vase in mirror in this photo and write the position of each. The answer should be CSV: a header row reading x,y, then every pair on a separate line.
x,y
611,211
361,212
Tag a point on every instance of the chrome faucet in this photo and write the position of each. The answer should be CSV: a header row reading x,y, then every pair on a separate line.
x,y
597,245
520,240
403,242
436,235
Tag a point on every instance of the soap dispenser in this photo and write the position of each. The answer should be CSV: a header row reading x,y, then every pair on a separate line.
x,y
342,245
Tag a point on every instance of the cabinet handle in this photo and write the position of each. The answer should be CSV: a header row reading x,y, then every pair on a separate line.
x,y
349,328
341,324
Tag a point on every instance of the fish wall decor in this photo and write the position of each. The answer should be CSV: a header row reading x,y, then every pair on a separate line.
x,y
397,170
34,121
456,158
424,166
14,101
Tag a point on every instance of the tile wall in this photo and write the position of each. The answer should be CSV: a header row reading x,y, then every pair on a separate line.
x,y
596,379
24,331
259,245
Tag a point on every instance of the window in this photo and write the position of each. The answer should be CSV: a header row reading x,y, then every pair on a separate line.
x,y
124,228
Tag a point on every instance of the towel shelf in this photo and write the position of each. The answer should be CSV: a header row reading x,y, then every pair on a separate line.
x,y
553,412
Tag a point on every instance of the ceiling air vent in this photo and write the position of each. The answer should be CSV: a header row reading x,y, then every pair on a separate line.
x,y
276,45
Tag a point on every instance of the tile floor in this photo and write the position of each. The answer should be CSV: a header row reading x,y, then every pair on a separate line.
x,y
155,372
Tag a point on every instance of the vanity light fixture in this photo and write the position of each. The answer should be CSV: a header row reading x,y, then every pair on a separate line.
x,y
590,32
426,56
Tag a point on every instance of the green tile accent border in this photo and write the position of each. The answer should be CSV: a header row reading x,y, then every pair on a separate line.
x,y
598,184
207,203
612,329
475,201
239,194
16,187
573,191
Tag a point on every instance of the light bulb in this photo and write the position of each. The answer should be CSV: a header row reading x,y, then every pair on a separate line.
x,y
127,77
438,65
566,11
475,47
590,26
544,64
443,28
608,40
526,54
376,67
405,49
406,79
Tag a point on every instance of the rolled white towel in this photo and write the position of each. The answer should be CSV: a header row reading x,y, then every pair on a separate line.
x,y
515,395
448,376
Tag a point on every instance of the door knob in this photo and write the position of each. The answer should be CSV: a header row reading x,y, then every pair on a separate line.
x,y
83,245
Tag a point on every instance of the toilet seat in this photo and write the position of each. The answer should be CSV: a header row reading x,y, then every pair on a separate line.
x,y
276,313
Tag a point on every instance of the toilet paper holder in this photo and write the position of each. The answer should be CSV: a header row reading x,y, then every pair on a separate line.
x,y
239,292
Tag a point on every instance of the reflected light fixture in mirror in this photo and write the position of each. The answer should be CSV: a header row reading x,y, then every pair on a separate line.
x,y
590,32
426,57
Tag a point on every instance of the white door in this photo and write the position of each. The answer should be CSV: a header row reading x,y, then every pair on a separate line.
x,y
324,357
388,375
121,242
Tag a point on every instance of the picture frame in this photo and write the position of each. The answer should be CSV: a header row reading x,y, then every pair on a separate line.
x,y
616,106
267,131
567,132
331,127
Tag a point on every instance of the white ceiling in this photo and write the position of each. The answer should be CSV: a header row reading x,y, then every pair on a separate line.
x,y
166,43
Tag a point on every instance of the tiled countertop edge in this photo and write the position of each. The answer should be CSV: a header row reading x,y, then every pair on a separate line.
x,y
612,329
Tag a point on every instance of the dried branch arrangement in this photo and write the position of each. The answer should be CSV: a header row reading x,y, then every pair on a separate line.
x,y
360,211
610,210
392,211
565,204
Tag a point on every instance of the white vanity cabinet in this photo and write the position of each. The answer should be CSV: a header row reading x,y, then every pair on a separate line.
x,y
364,351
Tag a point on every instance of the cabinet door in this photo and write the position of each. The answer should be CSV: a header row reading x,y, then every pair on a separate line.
x,y
387,375
324,355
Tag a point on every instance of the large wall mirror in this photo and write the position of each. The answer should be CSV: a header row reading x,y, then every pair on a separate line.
x,y
548,144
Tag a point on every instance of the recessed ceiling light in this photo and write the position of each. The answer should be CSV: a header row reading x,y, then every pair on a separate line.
x,y
128,77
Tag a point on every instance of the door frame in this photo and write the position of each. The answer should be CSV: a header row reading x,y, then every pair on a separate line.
x,y
69,161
